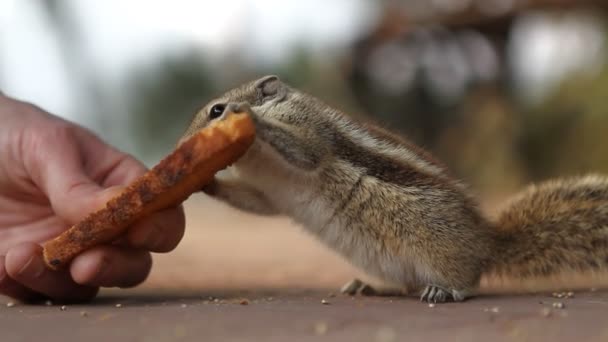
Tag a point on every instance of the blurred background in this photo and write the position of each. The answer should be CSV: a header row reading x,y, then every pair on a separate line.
x,y
504,91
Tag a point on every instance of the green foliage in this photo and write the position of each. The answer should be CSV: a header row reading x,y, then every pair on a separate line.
x,y
164,97
567,133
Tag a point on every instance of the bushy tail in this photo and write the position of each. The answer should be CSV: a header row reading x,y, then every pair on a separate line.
x,y
556,226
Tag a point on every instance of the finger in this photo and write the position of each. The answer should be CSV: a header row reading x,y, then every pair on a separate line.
x,y
24,264
124,172
111,266
13,289
53,160
161,232
107,165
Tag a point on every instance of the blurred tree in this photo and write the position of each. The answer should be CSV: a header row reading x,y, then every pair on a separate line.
x,y
163,97
319,76
446,80
446,85
566,134
90,99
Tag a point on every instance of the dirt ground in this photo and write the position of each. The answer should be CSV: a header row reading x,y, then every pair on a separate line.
x,y
237,277
300,316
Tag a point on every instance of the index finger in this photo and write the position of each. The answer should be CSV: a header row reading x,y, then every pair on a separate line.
x,y
160,232
107,165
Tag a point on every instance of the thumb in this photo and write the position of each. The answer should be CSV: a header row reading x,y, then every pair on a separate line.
x,y
56,165
81,200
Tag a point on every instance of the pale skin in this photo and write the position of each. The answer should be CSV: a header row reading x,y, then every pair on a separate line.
x,y
52,174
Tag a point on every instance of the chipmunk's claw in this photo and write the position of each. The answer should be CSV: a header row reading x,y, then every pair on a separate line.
x,y
357,287
436,294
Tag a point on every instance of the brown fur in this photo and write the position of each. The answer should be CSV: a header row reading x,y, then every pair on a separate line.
x,y
394,211
556,226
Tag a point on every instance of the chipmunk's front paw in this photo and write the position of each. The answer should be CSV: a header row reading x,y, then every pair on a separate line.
x,y
438,294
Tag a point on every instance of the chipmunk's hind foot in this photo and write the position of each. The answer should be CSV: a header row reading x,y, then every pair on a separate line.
x,y
439,294
358,287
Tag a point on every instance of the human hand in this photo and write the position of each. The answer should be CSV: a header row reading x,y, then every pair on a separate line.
x,y
52,174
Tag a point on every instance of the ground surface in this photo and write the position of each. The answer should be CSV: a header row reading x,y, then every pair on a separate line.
x,y
226,254
300,316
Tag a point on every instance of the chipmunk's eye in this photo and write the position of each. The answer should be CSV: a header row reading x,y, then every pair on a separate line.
x,y
216,111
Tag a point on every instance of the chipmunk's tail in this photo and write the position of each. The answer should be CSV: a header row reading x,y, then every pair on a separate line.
x,y
556,226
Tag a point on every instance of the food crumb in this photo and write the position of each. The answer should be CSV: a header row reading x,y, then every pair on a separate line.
x,y
321,328
118,305
63,308
184,306
10,304
559,305
84,313
216,300
431,305
568,294
325,302
244,301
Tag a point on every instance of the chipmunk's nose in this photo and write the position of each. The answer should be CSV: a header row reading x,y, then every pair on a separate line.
x,y
234,107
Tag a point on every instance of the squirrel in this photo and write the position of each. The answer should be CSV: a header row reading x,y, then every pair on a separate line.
x,y
390,208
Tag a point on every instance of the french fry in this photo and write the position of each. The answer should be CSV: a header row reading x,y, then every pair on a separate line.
x,y
190,167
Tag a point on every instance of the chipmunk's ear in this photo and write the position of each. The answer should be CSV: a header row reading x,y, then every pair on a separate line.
x,y
271,87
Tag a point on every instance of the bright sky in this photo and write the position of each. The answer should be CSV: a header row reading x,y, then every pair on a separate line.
x,y
118,34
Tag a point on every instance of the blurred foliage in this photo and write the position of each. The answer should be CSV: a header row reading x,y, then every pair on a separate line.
x,y
485,136
567,133
162,99
481,130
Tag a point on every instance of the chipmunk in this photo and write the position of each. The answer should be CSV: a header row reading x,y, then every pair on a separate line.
x,y
390,208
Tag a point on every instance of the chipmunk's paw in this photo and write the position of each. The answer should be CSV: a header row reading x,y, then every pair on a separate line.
x,y
438,294
357,287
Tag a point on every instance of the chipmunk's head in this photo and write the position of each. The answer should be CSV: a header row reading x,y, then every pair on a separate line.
x,y
262,92
267,97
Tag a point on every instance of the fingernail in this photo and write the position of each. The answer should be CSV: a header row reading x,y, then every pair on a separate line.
x,y
101,271
33,268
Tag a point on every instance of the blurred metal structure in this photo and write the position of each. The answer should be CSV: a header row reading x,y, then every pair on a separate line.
x,y
471,13
441,71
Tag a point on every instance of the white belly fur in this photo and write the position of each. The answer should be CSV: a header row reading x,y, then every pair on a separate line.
x,y
293,194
